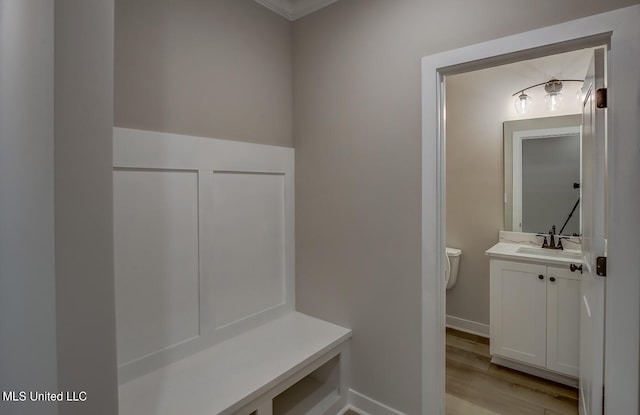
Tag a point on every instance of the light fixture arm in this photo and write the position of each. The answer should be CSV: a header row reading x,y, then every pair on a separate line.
x,y
521,91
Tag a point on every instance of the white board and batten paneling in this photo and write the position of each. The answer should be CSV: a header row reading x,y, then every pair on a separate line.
x,y
204,250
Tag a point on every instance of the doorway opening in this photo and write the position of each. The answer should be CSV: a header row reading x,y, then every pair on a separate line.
x,y
515,173
618,30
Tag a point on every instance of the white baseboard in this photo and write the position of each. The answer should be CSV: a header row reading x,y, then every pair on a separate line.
x,y
468,326
542,373
367,406
347,408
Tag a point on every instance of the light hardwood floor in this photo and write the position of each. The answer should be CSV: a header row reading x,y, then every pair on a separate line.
x,y
472,378
475,386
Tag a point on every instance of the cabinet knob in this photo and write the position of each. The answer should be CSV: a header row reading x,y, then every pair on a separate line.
x,y
552,279
541,276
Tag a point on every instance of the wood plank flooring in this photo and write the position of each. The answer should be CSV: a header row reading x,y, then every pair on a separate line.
x,y
472,378
475,386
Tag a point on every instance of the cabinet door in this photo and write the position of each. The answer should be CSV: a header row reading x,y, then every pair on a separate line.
x,y
518,311
563,320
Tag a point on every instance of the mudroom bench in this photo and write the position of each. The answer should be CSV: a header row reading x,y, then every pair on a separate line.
x,y
292,365
205,287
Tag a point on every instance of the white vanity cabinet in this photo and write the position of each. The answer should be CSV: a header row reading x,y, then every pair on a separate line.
x,y
535,315
519,311
563,320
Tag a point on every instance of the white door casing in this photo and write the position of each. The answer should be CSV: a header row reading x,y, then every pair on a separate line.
x,y
592,287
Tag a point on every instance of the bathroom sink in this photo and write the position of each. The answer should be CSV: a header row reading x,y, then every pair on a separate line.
x,y
556,253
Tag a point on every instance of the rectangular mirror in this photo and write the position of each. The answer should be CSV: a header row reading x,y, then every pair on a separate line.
x,y
542,174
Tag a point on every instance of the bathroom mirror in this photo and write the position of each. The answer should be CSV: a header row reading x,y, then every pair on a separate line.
x,y
542,174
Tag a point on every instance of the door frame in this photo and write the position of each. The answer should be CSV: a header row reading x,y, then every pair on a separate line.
x,y
618,29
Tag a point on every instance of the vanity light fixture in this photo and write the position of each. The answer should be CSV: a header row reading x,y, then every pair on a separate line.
x,y
553,98
522,103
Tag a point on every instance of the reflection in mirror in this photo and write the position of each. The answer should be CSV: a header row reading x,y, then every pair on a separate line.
x,y
542,174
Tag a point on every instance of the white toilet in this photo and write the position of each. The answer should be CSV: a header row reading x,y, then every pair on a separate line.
x,y
451,269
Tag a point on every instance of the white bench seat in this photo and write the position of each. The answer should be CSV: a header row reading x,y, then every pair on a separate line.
x,y
233,374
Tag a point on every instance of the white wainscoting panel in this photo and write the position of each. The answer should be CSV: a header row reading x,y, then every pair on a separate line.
x,y
156,260
204,243
248,245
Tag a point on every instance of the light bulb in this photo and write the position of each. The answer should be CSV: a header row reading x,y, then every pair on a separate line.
x,y
553,101
579,97
522,103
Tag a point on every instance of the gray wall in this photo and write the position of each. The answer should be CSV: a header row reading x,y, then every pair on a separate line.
x,y
27,276
56,288
357,139
474,184
356,130
209,68
83,204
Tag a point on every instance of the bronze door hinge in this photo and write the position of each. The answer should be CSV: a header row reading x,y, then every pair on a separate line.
x,y
601,98
601,266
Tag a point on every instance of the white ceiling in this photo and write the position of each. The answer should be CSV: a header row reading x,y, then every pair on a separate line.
x,y
293,9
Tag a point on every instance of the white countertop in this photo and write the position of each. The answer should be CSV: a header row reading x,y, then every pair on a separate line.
x,y
509,250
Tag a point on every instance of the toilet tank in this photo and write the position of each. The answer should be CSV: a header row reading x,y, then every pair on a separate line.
x,y
453,261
